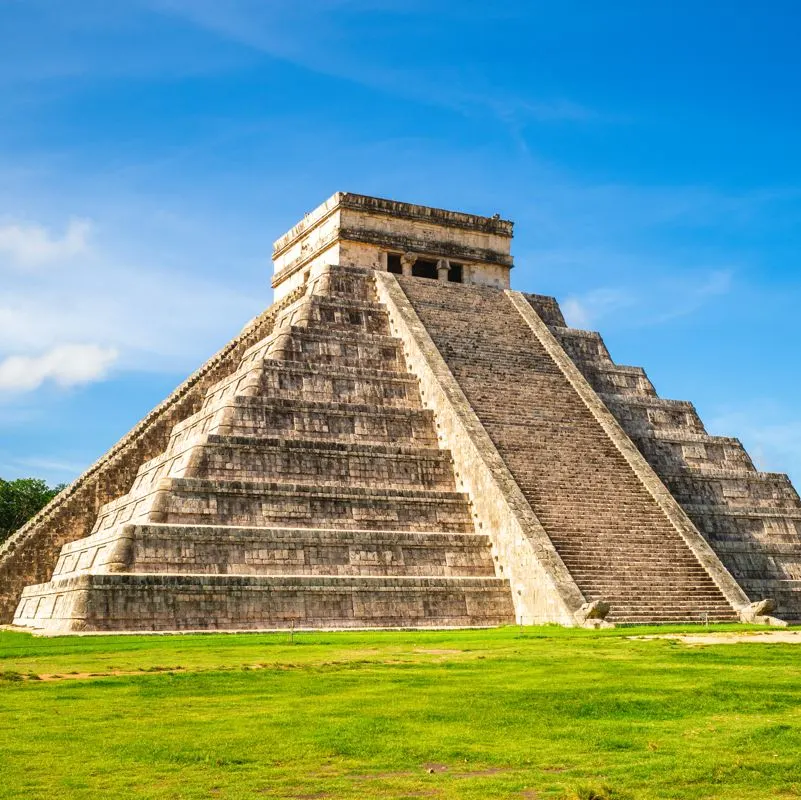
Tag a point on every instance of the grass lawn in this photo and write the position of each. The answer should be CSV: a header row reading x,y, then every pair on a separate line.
x,y
505,713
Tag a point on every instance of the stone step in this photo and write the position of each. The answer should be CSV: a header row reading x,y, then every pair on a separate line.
x,y
788,545
234,458
605,556
639,414
617,379
338,313
296,460
643,591
198,501
665,618
721,523
208,549
311,419
635,602
339,384
753,511
318,348
264,503
749,567
346,282
683,436
692,451
733,488
137,602
784,585
582,345
707,472
323,346
547,309
650,574
320,383
625,569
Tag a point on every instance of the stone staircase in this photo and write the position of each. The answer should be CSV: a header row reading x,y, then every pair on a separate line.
x,y
309,490
751,519
617,543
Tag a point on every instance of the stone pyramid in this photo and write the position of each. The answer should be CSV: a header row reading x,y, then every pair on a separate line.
x,y
402,441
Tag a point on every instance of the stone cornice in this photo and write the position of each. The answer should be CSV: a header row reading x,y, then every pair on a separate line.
x,y
403,244
437,216
424,247
392,208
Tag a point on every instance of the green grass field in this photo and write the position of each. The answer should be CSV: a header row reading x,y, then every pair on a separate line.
x,y
507,713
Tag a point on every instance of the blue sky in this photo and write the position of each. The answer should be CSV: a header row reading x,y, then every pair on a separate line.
x,y
152,150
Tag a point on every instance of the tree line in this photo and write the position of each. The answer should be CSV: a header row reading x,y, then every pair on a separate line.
x,y
20,500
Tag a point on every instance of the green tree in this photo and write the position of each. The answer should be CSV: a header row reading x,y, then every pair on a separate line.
x,y
20,500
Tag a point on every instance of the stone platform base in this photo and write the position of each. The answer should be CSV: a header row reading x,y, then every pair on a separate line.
x,y
137,602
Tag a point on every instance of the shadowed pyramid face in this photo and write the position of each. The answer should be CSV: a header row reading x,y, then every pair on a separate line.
x,y
401,441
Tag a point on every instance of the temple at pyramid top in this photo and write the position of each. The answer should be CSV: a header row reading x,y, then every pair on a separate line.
x,y
356,230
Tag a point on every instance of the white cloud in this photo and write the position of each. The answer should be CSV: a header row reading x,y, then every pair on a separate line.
x,y
158,302
65,365
156,321
582,311
33,245
662,302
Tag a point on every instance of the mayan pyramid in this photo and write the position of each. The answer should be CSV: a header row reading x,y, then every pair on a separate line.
x,y
400,440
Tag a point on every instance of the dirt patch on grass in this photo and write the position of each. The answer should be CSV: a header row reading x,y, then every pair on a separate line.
x,y
747,637
48,677
437,652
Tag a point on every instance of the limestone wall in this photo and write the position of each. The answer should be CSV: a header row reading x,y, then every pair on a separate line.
x,y
30,555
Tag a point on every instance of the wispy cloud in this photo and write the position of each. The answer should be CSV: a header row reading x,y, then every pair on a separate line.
x,y
654,304
30,244
582,311
65,365
320,36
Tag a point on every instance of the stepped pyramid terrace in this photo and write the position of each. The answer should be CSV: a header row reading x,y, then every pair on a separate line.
x,y
401,440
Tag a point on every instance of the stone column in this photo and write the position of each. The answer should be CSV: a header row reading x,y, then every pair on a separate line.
x,y
407,262
382,261
443,268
